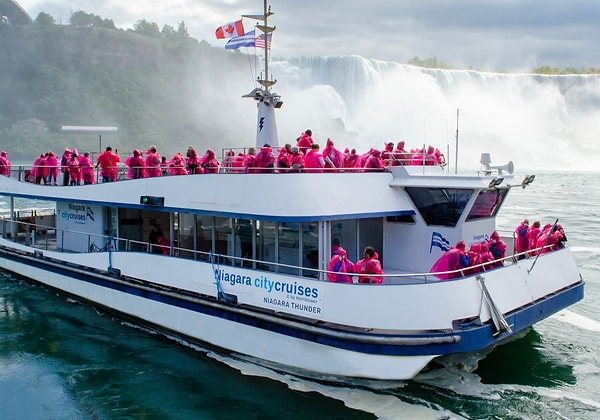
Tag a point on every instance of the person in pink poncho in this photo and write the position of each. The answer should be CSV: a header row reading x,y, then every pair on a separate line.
x,y
522,238
37,171
284,155
498,249
264,162
64,160
74,169
152,162
209,162
333,157
4,164
374,162
192,162
178,165
108,161
52,167
341,265
474,254
552,239
305,141
87,169
250,161
297,163
136,165
369,268
401,155
228,161
314,159
487,256
351,159
532,236
453,259
238,165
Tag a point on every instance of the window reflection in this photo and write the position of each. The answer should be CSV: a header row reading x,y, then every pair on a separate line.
x,y
440,206
487,204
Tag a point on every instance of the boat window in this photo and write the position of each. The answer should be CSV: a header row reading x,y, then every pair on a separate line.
x,y
266,243
204,235
344,233
440,206
370,234
223,238
289,247
244,242
404,218
310,248
187,235
487,204
131,226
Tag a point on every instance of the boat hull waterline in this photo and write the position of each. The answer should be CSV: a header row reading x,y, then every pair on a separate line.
x,y
298,345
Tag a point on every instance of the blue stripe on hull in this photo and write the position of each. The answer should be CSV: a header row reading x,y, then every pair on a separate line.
x,y
473,337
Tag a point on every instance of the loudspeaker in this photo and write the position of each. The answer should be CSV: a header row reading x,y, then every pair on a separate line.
x,y
509,167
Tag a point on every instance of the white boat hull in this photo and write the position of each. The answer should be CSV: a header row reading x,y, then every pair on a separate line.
x,y
317,352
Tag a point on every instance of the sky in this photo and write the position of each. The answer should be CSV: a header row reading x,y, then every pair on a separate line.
x,y
487,35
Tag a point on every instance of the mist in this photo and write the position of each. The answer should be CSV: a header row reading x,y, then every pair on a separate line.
x,y
538,122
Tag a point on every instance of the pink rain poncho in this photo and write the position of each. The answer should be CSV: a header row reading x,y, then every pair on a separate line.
x,y
453,259
368,269
340,264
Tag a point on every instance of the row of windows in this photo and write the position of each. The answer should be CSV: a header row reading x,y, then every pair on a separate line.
x,y
276,246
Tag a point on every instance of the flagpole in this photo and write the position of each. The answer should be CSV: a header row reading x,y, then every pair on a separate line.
x,y
266,42
456,150
266,30
267,101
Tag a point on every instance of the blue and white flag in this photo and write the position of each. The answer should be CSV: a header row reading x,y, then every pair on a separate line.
x,y
246,40
438,240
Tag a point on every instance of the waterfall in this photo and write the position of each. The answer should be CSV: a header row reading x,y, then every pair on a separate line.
x,y
539,122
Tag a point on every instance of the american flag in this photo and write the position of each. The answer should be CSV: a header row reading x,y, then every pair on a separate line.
x,y
260,41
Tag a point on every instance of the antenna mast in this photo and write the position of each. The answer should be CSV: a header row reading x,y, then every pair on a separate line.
x,y
267,101
456,149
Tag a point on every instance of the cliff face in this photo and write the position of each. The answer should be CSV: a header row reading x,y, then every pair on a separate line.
x,y
65,46
150,88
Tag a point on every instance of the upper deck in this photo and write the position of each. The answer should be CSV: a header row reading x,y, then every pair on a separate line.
x,y
267,196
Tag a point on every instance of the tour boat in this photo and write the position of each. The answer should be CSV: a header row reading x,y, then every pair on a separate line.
x,y
245,267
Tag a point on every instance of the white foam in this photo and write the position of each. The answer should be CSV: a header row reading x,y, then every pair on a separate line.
x,y
577,320
456,374
384,406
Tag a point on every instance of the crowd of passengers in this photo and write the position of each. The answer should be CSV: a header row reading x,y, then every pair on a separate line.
x,y
529,239
486,255
306,156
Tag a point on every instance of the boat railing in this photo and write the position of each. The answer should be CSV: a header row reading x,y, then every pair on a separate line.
x,y
26,173
33,233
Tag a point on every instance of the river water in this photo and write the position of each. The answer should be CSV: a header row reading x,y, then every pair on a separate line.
x,y
60,359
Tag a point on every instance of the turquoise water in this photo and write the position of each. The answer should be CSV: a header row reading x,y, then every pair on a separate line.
x,y
60,359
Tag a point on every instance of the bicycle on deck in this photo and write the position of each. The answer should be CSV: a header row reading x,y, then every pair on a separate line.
x,y
108,246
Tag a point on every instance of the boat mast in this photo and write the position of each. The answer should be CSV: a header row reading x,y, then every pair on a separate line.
x,y
267,101
456,149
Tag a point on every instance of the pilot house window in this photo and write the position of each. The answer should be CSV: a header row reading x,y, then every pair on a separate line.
x,y
440,206
487,204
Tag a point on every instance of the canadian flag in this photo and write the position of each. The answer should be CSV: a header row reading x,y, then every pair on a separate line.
x,y
231,29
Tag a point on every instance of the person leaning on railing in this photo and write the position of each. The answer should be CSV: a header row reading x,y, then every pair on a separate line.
x,y
108,163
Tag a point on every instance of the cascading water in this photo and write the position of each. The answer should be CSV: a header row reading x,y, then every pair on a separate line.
x,y
539,122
